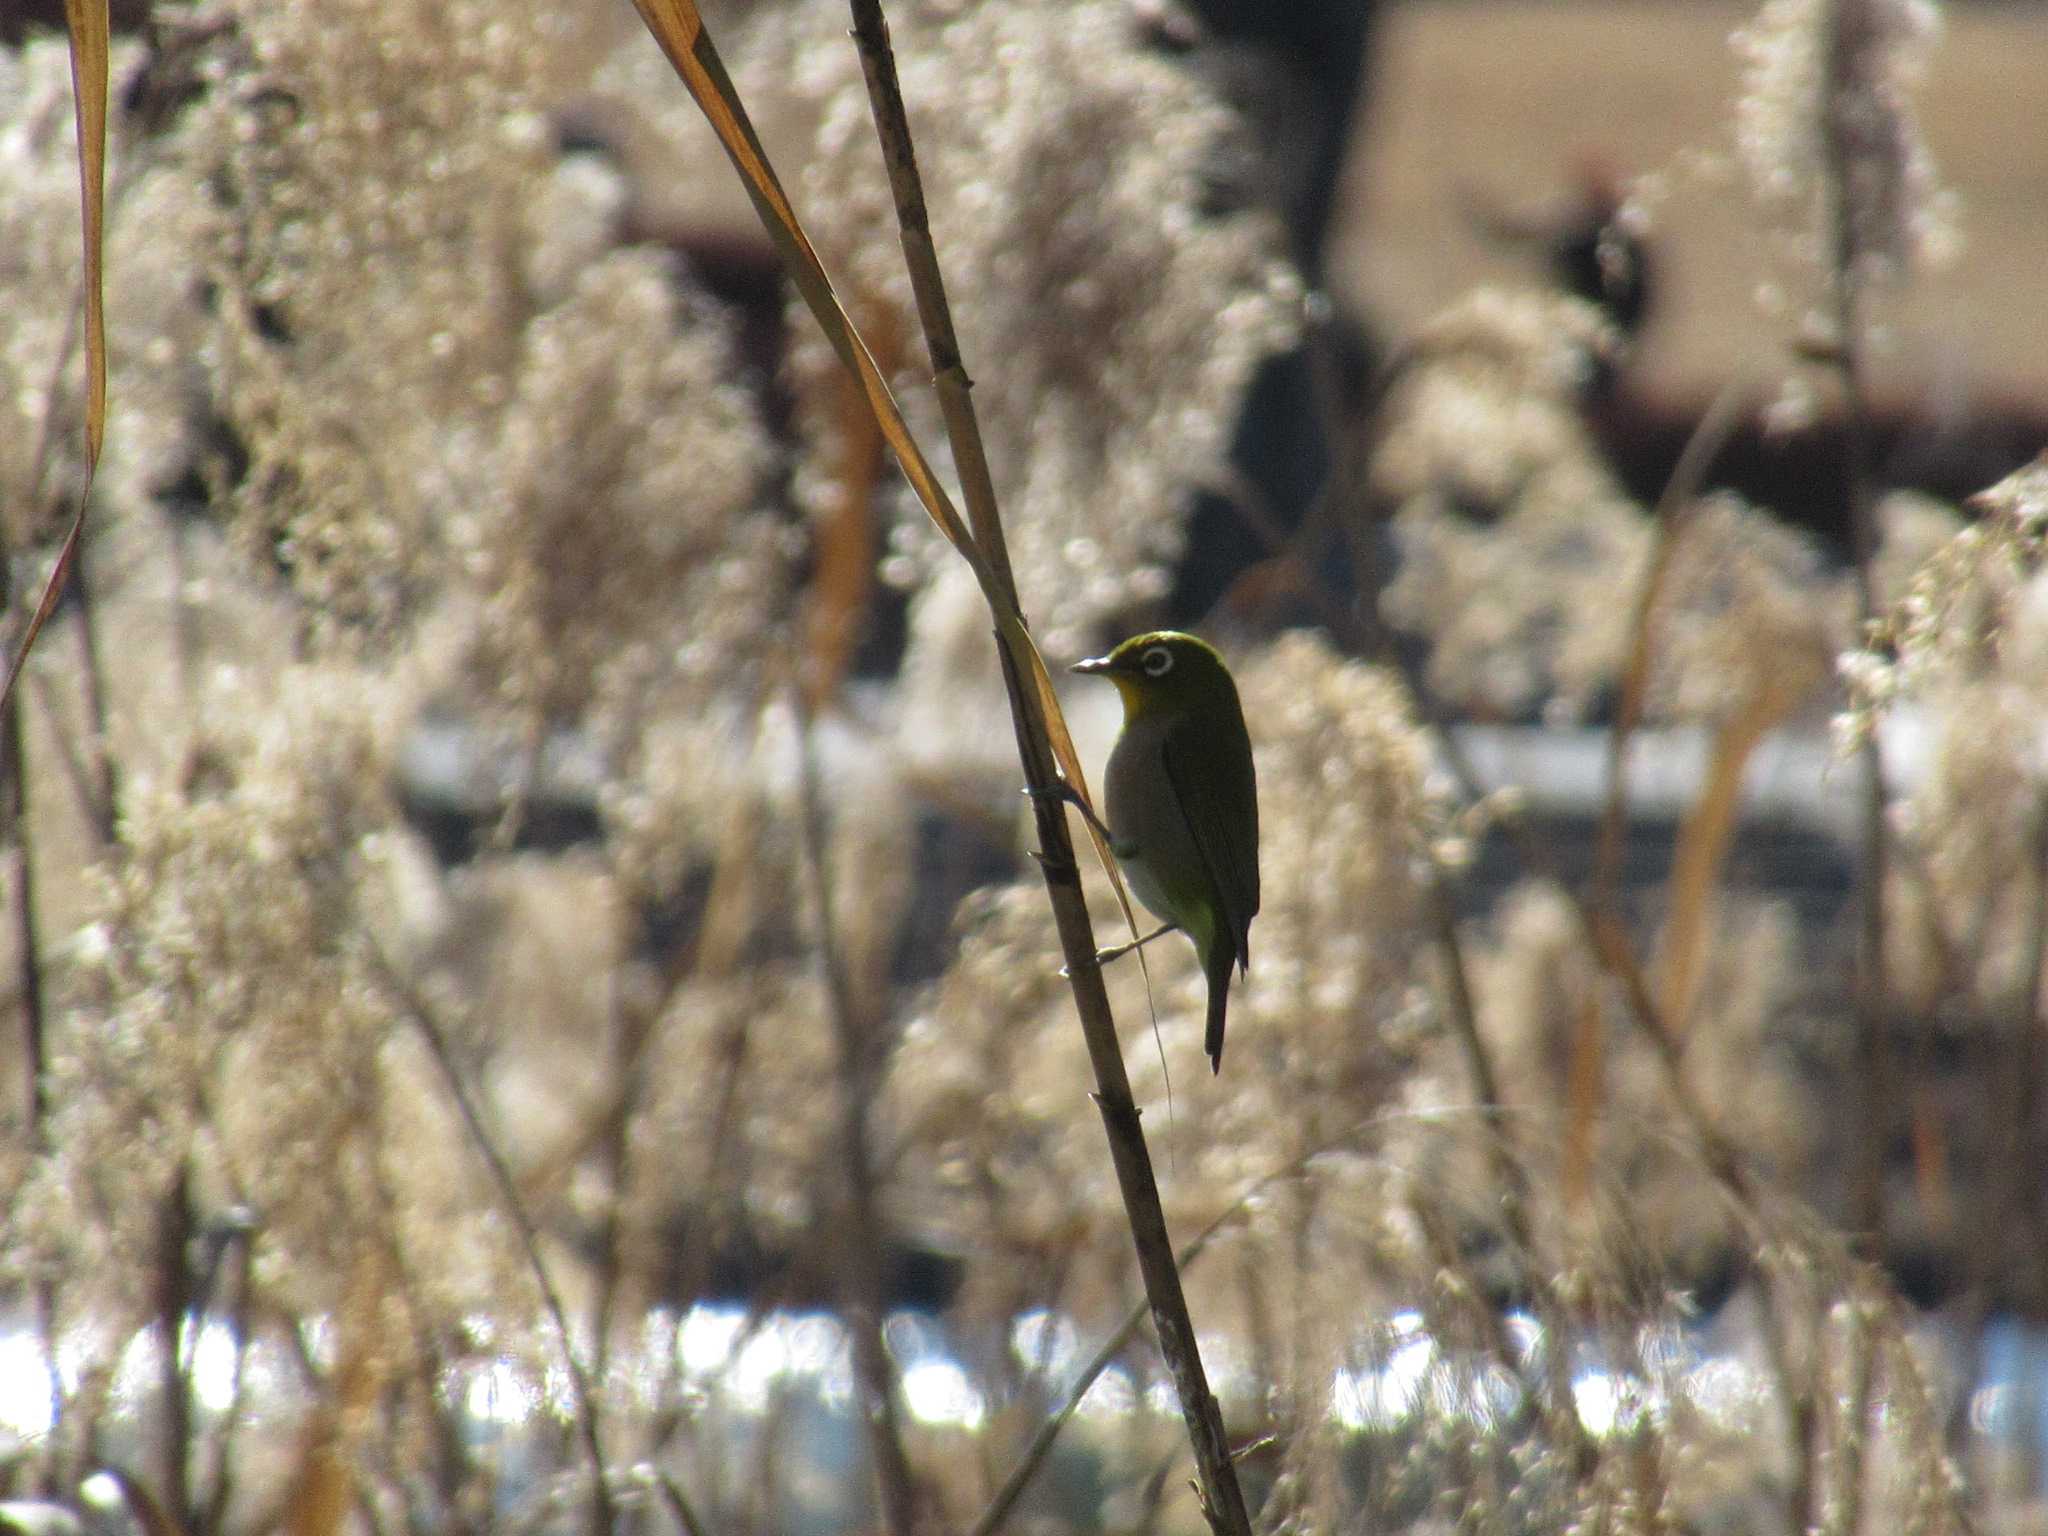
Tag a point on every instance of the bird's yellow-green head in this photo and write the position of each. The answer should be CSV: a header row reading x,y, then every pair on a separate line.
x,y
1164,669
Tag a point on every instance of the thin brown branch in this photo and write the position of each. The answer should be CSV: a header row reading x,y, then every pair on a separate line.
x,y
88,770
2018,1218
1339,502
220,1462
1671,517
415,1010
104,805
1301,554
86,23
1509,1175
1000,1507
1222,1499
854,1033
927,282
2005,1223
1705,834
631,1027
1841,96
14,824
677,1503
1607,941
1586,1071
173,1300
24,917
78,774
1852,1435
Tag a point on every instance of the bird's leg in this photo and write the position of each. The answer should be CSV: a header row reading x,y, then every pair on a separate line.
x,y
1063,791
1118,951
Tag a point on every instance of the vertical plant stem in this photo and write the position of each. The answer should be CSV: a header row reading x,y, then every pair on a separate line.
x,y
1222,1498
2004,1225
415,1009
104,805
920,255
1508,1173
854,1034
678,1504
2018,1216
628,1033
13,765
14,820
1841,98
1859,1342
634,1017
220,1461
1613,953
14,804
998,1512
173,1298
1670,518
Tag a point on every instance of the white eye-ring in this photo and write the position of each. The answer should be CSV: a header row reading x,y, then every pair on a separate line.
x,y
1157,662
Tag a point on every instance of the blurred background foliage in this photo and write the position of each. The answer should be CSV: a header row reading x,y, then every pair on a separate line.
x,y
516,777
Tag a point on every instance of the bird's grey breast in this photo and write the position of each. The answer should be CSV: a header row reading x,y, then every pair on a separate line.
x,y
1145,818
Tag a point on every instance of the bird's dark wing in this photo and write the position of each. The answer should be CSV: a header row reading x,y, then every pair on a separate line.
x,y
1212,778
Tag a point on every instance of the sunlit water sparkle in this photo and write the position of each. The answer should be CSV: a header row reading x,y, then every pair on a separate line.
x,y
741,1368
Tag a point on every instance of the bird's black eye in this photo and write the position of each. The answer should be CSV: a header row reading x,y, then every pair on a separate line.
x,y
1158,661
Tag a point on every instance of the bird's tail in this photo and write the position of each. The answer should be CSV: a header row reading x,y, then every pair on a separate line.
x,y
1216,965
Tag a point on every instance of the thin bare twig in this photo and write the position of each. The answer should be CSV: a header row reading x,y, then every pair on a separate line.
x,y
1339,502
1033,1458
677,1503
854,1035
2018,1218
236,1253
416,1012
1852,1435
1670,518
105,805
23,911
1040,1446
1606,941
2004,1223
14,820
630,1030
1842,96
1302,552
173,1299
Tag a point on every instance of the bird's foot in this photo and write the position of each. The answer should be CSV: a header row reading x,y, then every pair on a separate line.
x,y
1118,951
1065,793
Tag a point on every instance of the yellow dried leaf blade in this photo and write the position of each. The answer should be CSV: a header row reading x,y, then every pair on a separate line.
x,y
89,101
322,1494
680,31
89,49
842,583
52,590
1703,842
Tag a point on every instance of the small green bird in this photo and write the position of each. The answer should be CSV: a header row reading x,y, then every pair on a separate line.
x,y
1183,802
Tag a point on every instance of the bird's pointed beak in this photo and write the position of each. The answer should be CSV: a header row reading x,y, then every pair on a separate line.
x,y
1092,666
